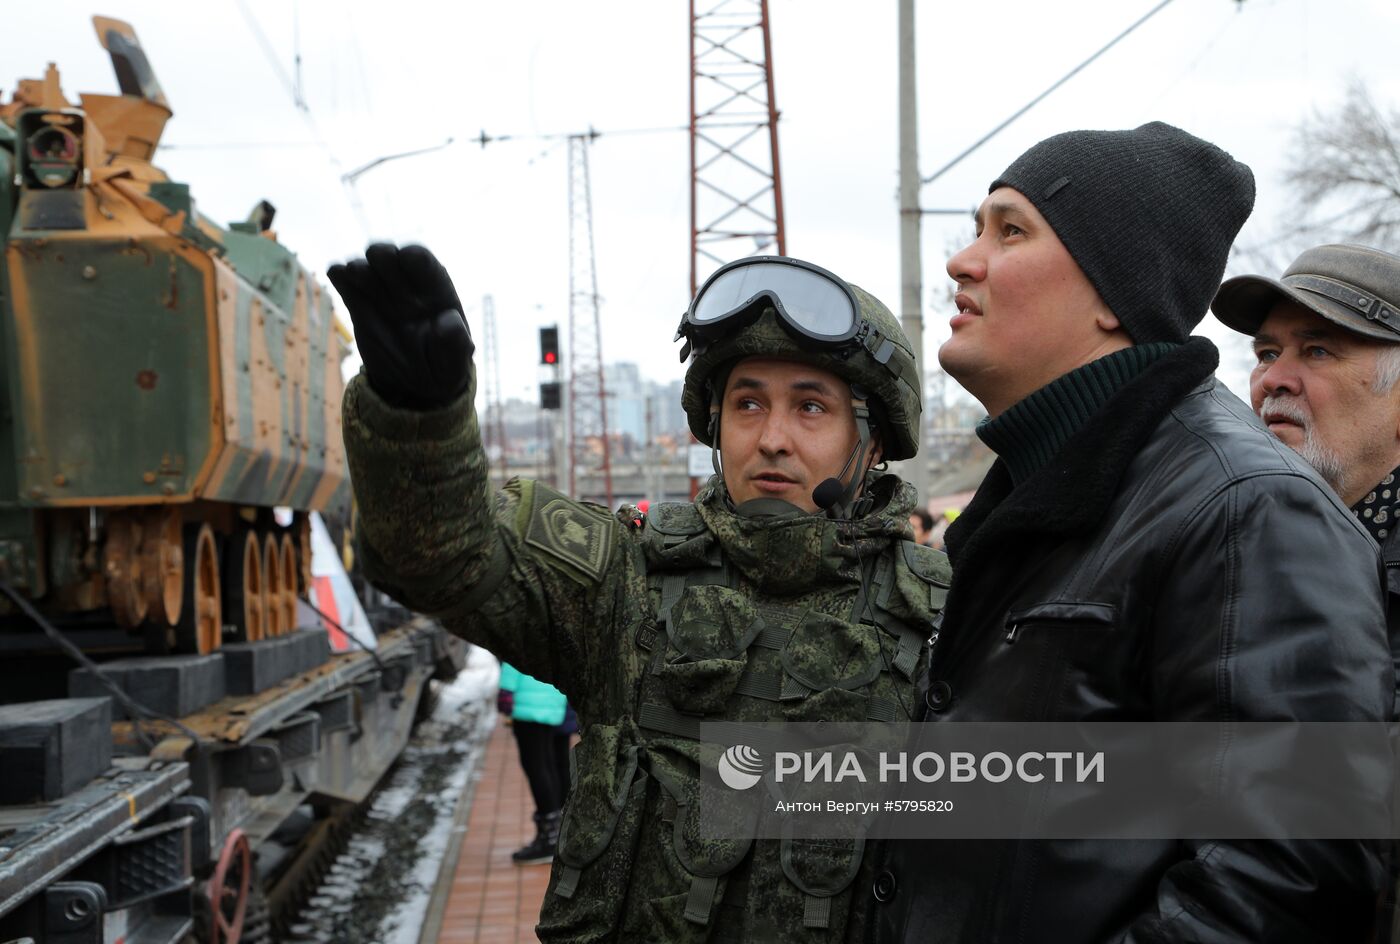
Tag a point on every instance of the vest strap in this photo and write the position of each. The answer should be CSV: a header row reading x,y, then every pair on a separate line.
x,y
765,685
701,901
568,881
773,637
816,912
668,720
881,709
907,655
672,586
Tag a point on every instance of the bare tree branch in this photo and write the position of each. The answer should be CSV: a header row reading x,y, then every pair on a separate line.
x,y
1345,174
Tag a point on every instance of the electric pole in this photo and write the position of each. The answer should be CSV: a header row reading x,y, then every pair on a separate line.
x,y
911,315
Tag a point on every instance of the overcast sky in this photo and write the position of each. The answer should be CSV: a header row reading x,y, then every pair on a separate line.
x,y
380,78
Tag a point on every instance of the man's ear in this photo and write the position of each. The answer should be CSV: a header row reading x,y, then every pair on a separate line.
x,y
1107,320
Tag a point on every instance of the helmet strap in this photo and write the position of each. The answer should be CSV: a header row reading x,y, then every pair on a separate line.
x,y
848,506
713,431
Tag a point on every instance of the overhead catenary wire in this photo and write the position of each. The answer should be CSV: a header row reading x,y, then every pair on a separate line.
x,y
269,53
1043,95
1195,63
480,138
293,88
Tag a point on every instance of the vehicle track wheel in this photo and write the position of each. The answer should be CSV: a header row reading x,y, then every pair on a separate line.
x,y
200,626
228,890
243,583
289,580
272,585
163,566
121,566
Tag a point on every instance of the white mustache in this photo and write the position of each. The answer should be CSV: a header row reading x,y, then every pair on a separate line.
x,y
1287,407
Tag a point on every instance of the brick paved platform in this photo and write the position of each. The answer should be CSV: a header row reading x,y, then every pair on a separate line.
x,y
493,900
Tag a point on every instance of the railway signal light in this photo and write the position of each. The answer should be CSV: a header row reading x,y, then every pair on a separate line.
x,y
549,345
549,396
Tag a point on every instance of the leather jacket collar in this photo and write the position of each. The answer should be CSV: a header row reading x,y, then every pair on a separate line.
x,y
1071,493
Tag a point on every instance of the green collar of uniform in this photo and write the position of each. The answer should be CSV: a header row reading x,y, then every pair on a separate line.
x,y
1028,434
796,553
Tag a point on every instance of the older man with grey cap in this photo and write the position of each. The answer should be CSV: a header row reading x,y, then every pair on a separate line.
x,y
1327,344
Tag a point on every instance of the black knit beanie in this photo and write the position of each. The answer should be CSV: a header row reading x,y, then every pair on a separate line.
x,y
1148,214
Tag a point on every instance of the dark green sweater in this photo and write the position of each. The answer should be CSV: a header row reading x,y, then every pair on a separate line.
x,y
1028,434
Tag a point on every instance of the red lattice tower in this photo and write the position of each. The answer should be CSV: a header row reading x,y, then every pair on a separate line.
x,y
588,415
736,185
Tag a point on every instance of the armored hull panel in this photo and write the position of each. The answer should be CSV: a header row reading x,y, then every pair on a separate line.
x,y
145,368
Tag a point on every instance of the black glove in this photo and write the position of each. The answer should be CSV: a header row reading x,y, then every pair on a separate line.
x,y
409,325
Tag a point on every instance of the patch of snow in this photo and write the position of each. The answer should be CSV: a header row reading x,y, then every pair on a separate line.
x,y
477,682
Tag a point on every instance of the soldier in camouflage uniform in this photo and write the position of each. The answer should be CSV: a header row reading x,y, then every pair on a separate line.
x,y
787,591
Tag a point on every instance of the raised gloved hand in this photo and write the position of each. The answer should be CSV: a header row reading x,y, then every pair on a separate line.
x,y
409,325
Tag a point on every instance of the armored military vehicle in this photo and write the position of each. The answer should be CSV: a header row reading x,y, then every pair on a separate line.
x,y
168,382
169,422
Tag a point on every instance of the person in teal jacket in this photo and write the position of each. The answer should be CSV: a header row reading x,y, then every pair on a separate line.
x,y
543,721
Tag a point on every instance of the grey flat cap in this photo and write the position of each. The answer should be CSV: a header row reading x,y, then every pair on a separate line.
x,y
1354,286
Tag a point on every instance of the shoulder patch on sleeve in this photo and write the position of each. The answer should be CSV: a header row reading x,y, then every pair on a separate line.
x,y
569,531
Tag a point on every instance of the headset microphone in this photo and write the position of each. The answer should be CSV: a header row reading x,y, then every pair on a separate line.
x,y
827,493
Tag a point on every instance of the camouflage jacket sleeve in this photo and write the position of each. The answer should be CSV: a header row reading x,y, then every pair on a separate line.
x,y
544,582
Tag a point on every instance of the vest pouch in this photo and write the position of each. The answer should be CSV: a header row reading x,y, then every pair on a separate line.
x,y
831,705
825,652
707,635
602,820
821,852
713,831
922,578
675,538
701,687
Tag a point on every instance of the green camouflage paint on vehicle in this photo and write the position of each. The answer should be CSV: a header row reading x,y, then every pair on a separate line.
x,y
152,359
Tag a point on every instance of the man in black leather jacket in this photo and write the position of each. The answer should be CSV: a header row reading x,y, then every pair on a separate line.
x,y
1154,553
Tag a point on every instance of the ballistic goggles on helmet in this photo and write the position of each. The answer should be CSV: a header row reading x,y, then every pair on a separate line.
x,y
816,307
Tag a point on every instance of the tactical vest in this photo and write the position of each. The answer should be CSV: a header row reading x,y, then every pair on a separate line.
x,y
719,651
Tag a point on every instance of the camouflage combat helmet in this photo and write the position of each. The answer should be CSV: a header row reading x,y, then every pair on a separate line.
x,y
878,359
